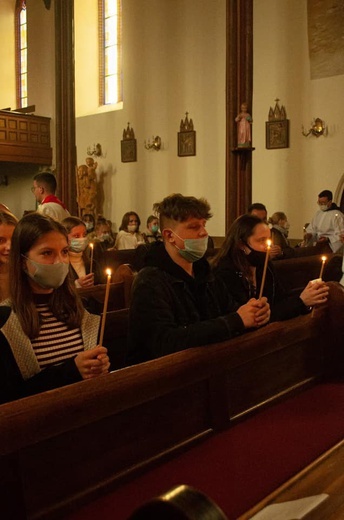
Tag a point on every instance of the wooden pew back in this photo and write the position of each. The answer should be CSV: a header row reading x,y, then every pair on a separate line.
x,y
63,447
295,273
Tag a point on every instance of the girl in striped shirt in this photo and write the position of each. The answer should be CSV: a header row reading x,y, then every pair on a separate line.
x,y
47,338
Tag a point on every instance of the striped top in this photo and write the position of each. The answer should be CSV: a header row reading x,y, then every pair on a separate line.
x,y
56,342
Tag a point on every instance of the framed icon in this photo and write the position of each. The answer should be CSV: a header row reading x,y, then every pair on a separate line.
x,y
186,143
277,134
128,150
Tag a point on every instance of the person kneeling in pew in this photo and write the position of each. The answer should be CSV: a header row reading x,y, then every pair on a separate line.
x,y
47,338
176,302
240,265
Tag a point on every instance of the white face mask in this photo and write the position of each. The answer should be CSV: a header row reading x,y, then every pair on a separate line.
x,y
132,228
49,276
323,207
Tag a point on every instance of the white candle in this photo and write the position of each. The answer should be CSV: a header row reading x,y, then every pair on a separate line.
x,y
323,260
106,299
268,247
91,263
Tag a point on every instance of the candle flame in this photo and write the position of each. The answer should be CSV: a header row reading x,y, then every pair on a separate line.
x,y
324,258
108,272
268,242
91,245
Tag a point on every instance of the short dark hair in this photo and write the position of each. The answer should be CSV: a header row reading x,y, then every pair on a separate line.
x,y
48,180
256,205
326,193
179,208
126,218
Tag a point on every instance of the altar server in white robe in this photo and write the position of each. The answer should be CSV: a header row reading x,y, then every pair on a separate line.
x,y
327,225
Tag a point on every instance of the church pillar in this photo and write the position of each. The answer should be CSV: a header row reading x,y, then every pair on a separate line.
x,y
65,104
239,89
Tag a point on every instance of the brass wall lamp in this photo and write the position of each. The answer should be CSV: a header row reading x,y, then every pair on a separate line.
x,y
318,128
154,145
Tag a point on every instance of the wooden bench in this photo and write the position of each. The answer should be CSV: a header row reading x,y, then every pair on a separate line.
x,y
66,446
295,273
119,295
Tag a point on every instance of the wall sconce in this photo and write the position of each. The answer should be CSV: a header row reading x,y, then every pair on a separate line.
x,y
318,128
155,145
96,150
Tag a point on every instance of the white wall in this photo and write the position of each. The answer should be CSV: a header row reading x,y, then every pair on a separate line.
x,y
174,61
290,179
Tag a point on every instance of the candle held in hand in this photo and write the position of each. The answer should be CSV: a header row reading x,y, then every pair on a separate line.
x,y
268,247
106,300
323,260
91,262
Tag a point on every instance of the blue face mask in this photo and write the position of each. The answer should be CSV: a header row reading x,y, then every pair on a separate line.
x,y
194,248
155,228
77,245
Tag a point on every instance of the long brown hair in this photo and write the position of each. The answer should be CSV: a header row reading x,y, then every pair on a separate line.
x,y
232,247
64,302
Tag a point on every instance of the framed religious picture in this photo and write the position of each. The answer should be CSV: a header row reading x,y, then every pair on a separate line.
x,y
128,150
186,143
277,128
186,138
277,134
128,145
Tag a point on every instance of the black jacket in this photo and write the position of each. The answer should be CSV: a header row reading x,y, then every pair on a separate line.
x,y
282,305
172,311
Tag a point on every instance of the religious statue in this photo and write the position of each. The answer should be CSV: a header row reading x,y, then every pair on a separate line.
x,y
244,121
87,187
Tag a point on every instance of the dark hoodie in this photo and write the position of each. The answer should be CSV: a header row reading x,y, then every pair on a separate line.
x,y
172,311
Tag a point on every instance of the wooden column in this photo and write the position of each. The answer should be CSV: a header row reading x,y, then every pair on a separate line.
x,y
65,104
239,88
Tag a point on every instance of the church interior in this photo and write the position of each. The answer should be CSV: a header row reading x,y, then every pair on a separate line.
x,y
255,422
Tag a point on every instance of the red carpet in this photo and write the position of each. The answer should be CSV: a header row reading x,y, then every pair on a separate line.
x,y
239,467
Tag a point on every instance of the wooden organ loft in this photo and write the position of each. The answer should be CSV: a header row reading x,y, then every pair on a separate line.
x,y
24,137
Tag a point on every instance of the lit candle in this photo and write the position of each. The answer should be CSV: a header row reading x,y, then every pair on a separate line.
x,y
106,299
91,263
268,247
323,260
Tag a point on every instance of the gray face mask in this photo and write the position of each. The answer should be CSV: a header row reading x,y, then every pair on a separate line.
x,y
49,276
195,248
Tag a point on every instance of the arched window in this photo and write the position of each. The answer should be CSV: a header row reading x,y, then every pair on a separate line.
x,y
110,52
21,54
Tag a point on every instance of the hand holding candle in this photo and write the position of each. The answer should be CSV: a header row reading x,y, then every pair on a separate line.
x,y
106,299
91,262
268,247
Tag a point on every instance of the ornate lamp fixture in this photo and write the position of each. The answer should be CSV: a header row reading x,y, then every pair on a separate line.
x,y
154,145
318,128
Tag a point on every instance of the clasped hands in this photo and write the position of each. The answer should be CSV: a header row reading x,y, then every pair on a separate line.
x,y
93,362
255,313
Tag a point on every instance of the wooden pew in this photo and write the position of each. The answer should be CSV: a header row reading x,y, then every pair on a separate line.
x,y
64,447
295,273
119,295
